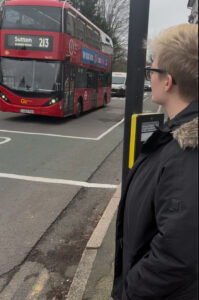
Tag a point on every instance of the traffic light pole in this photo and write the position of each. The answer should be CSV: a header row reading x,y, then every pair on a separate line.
x,y
138,30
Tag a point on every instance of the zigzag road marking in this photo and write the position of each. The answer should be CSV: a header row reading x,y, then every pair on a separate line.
x,y
5,140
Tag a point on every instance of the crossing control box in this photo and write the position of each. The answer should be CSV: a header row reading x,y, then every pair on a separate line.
x,y
142,127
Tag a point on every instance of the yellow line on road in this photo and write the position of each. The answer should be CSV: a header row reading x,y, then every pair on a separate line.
x,y
39,285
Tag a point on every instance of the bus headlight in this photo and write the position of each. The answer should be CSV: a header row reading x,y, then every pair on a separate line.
x,y
4,97
52,101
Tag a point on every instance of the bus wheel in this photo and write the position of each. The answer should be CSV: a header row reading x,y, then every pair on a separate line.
x,y
105,100
79,109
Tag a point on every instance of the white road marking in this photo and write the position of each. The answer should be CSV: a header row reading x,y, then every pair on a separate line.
x,y
160,109
58,181
48,134
66,136
109,130
5,140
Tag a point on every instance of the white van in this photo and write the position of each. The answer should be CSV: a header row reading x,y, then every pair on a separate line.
x,y
118,84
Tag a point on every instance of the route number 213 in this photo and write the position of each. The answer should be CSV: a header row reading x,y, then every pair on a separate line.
x,y
43,42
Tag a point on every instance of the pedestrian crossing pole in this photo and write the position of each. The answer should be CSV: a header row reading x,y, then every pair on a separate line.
x,y
138,31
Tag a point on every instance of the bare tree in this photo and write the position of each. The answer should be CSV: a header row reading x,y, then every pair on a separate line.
x,y
2,2
116,16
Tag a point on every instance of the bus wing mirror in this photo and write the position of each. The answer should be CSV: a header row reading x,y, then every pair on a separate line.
x,y
58,86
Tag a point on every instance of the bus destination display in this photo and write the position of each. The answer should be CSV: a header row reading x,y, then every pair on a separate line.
x,y
29,42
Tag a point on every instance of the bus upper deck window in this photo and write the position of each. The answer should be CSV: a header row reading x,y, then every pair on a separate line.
x,y
70,24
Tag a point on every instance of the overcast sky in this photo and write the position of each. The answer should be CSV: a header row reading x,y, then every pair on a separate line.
x,y
166,13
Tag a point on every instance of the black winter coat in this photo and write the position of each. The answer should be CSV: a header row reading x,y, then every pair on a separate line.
x,y
157,223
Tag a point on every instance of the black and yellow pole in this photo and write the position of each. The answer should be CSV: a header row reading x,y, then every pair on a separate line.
x,y
138,31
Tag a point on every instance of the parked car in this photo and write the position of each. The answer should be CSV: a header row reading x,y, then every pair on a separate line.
x,y
118,84
147,86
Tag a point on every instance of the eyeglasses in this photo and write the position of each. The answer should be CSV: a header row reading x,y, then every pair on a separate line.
x,y
149,72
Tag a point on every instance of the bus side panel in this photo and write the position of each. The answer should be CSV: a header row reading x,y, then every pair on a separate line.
x,y
100,96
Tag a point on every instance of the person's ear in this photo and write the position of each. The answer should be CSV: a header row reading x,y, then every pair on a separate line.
x,y
168,83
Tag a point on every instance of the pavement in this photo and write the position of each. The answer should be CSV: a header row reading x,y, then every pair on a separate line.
x,y
94,276
100,283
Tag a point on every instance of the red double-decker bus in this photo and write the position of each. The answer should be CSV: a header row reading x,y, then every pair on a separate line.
x,y
53,61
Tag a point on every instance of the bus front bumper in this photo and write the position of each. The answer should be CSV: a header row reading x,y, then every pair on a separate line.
x,y
55,110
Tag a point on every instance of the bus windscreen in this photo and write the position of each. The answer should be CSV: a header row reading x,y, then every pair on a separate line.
x,y
32,18
118,80
30,76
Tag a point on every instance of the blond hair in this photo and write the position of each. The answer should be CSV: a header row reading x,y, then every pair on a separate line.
x,y
176,50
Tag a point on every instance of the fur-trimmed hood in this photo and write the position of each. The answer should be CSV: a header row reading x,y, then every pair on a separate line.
x,y
187,134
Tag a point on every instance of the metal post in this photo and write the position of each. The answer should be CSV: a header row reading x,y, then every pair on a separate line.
x,y
138,30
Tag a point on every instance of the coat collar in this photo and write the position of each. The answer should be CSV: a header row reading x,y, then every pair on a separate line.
x,y
187,135
185,116
184,127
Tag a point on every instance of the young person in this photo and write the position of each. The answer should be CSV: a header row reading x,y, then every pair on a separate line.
x,y
157,223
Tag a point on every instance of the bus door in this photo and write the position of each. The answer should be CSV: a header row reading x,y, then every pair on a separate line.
x,y
92,84
69,88
94,92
